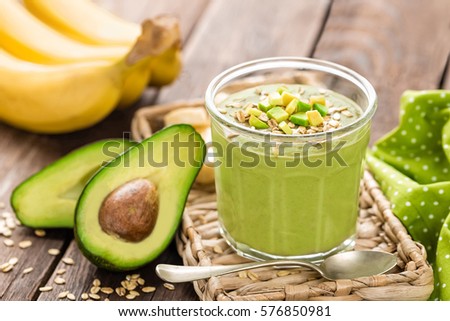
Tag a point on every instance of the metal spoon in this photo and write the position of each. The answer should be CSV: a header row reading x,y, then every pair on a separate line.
x,y
346,265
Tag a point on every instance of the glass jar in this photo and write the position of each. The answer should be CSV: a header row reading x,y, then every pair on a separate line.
x,y
289,196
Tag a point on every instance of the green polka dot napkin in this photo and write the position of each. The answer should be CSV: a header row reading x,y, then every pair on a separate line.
x,y
412,165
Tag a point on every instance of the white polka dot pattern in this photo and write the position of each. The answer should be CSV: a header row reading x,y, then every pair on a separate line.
x,y
412,165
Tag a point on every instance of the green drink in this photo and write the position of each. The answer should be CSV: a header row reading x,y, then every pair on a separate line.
x,y
289,162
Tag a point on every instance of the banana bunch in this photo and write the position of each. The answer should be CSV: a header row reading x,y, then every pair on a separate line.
x,y
66,64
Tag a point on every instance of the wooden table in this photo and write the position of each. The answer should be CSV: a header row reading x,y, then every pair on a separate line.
x,y
396,44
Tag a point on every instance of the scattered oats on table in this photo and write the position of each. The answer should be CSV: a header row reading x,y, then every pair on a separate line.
x,y
54,252
107,290
63,295
94,289
46,288
135,293
68,261
61,271
27,270
8,242
149,289
121,291
94,296
25,244
6,232
13,261
6,267
59,280
71,297
40,233
169,286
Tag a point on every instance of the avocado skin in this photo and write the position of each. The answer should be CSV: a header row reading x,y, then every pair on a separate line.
x,y
104,262
34,220
97,260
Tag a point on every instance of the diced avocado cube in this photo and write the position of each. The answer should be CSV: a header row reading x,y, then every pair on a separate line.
x,y
264,105
285,128
300,119
278,113
255,112
302,106
257,123
282,89
314,117
317,100
275,99
291,108
287,97
322,109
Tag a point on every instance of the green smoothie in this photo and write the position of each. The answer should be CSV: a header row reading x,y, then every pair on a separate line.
x,y
294,192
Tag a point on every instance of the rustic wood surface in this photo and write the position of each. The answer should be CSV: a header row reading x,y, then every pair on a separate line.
x,y
446,75
397,45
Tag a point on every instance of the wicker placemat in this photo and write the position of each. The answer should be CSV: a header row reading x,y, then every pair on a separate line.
x,y
200,243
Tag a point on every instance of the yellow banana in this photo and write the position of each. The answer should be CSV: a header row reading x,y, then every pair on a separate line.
x,y
84,21
28,38
57,98
87,22
70,96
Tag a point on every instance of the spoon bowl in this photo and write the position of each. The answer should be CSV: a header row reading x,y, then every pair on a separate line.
x,y
345,265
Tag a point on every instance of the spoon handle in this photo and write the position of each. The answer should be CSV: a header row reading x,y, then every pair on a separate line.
x,y
180,273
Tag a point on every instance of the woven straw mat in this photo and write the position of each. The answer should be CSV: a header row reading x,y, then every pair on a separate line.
x,y
199,242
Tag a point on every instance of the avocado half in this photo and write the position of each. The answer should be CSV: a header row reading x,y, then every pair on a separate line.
x,y
170,161
48,198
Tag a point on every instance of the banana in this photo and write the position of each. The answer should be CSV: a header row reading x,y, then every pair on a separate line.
x,y
195,116
84,21
57,98
28,38
87,22
70,96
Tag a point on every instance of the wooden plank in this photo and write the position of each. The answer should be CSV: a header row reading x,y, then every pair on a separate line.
x,y
234,31
24,153
446,83
79,278
137,10
397,45
16,286
18,159
212,32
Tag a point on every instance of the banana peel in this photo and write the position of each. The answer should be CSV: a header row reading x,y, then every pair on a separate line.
x,y
67,97
166,67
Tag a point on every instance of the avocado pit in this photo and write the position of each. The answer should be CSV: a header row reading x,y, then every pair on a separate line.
x,y
130,211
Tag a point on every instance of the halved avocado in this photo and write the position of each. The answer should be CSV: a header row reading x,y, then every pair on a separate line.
x,y
48,198
129,211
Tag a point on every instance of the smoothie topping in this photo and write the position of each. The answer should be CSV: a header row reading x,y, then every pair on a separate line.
x,y
290,109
